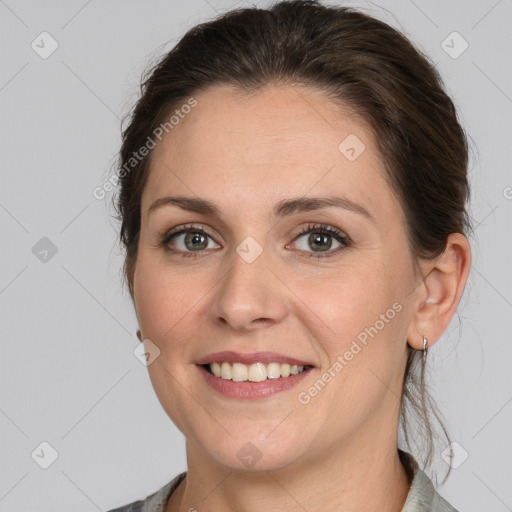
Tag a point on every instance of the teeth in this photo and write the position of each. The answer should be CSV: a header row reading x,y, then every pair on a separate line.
x,y
238,372
285,370
294,370
215,368
273,370
225,371
257,372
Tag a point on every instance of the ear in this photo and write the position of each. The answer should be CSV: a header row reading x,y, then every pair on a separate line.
x,y
440,292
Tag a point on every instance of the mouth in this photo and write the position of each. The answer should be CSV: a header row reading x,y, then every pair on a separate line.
x,y
256,372
245,389
252,367
251,376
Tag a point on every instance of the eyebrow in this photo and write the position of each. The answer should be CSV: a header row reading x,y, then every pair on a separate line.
x,y
281,209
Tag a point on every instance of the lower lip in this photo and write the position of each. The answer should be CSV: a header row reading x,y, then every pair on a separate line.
x,y
248,390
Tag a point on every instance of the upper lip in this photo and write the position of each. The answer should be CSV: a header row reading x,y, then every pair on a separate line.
x,y
254,357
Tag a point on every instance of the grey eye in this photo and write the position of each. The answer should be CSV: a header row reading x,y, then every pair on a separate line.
x,y
192,241
317,242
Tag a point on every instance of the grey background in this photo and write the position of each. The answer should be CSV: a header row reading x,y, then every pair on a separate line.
x,y
68,375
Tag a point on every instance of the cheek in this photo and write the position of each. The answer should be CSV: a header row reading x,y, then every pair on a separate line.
x,y
163,298
363,316
362,329
348,301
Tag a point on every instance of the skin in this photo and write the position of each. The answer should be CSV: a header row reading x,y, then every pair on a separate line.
x,y
246,152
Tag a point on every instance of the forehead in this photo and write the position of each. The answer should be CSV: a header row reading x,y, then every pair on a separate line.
x,y
266,145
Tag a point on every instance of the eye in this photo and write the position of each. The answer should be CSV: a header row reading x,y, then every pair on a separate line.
x,y
190,241
187,241
322,240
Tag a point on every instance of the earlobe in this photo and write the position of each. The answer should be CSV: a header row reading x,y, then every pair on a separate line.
x,y
443,286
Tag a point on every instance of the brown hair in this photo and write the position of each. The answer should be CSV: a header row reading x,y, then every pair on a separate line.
x,y
357,60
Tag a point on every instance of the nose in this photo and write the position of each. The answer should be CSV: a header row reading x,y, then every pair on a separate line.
x,y
250,296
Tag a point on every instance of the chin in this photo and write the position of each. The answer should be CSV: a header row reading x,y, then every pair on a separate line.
x,y
240,453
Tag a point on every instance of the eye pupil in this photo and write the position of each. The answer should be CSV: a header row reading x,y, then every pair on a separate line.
x,y
320,241
197,241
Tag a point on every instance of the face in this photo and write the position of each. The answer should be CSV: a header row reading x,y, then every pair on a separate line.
x,y
325,285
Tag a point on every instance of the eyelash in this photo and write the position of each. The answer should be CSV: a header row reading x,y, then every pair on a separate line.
x,y
341,237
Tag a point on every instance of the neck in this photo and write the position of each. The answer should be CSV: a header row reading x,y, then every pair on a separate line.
x,y
368,480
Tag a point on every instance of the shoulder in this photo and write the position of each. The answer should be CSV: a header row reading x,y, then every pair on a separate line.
x,y
422,495
155,502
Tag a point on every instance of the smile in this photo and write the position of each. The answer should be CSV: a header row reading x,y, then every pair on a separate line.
x,y
257,372
247,389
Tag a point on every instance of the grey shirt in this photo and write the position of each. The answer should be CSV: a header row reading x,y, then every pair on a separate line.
x,y
422,496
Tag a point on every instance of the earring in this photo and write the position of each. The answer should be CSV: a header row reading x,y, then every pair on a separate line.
x,y
425,349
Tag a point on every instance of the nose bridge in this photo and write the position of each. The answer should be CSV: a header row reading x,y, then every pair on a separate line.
x,y
249,291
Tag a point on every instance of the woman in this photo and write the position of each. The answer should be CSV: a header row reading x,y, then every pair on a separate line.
x,y
292,193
